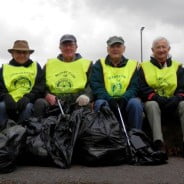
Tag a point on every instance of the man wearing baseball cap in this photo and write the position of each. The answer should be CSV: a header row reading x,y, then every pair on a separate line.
x,y
66,77
114,80
21,83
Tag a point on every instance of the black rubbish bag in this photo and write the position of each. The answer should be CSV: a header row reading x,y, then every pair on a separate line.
x,y
142,152
60,138
100,141
35,150
139,147
11,141
34,142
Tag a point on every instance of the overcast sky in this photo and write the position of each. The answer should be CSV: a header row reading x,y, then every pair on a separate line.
x,y
43,22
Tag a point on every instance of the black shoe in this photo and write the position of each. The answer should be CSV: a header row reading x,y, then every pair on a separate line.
x,y
159,146
182,150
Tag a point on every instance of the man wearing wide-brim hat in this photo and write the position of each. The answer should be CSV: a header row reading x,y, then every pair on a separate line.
x,y
21,83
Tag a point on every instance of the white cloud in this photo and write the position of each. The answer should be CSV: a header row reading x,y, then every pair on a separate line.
x,y
43,22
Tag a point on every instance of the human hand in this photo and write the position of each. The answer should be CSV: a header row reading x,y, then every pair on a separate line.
x,y
172,103
51,99
106,110
162,100
82,100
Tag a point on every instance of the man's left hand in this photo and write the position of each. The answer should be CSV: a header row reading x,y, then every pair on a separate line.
x,y
83,100
172,103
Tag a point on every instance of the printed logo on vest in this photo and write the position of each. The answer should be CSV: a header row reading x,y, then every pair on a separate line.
x,y
116,89
64,84
22,82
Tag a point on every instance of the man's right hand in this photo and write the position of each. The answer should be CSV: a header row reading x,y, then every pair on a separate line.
x,y
51,99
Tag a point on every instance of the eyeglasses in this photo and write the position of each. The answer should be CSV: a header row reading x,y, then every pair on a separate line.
x,y
21,52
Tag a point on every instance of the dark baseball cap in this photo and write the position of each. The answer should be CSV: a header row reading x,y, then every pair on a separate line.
x,y
68,38
115,39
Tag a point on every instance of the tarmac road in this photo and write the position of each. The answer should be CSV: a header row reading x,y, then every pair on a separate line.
x,y
171,173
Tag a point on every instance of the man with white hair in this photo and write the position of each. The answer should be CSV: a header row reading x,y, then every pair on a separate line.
x,y
162,88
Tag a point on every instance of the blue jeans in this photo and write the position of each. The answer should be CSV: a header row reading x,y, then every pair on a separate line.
x,y
25,114
134,111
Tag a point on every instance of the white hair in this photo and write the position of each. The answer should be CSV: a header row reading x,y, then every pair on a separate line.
x,y
155,41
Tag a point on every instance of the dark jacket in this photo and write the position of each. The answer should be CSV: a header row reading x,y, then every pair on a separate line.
x,y
98,85
38,88
146,90
87,91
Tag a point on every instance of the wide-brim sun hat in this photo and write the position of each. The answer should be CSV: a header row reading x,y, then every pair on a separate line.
x,y
21,45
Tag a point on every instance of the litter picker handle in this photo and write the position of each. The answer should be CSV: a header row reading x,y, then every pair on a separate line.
x,y
60,107
123,124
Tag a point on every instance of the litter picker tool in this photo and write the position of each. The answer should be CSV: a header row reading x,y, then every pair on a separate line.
x,y
60,107
123,125
125,131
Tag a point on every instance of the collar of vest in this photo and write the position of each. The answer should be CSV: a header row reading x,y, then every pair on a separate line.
x,y
13,62
156,63
123,61
77,56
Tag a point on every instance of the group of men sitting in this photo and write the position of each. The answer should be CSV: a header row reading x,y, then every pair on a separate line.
x,y
154,87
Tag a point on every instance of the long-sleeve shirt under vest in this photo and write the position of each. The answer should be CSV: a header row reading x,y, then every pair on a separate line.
x,y
146,90
87,90
37,90
98,84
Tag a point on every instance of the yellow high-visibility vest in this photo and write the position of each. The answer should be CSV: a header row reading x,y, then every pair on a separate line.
x,y
164,80
19,80
117,79
66,77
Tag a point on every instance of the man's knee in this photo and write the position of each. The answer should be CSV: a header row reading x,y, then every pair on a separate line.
x,y
40,101
39,107
181,107
151,105
29,106
3,114
99,103
2,106
135,103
